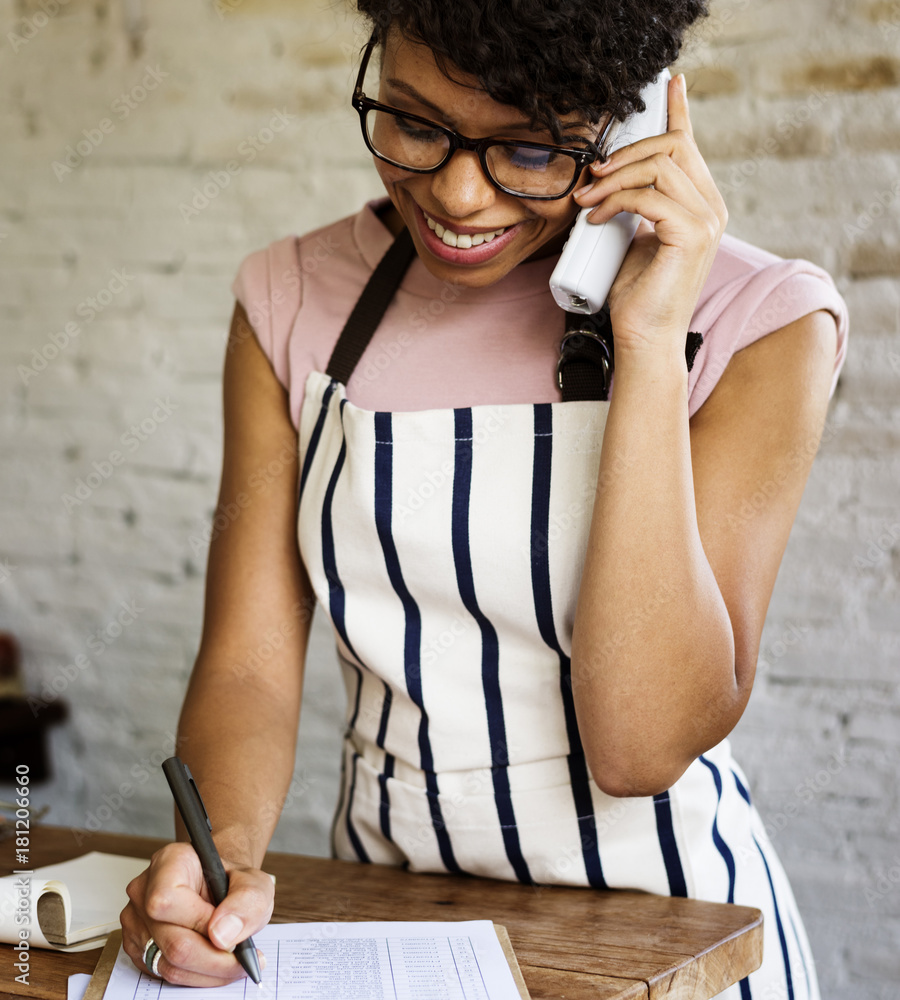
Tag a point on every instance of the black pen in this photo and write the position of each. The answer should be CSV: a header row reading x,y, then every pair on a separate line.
x,y
196,819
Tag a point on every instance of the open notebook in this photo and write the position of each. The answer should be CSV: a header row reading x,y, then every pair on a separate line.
x,y
71,906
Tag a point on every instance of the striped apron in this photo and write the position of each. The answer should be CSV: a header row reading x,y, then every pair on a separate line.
x,y
446,546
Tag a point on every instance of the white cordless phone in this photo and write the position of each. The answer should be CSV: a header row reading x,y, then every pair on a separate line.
x,y
593,254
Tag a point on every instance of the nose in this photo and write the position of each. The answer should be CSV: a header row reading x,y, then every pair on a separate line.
x,y
461,186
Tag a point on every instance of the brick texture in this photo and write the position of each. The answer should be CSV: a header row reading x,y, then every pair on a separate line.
x,y
143,159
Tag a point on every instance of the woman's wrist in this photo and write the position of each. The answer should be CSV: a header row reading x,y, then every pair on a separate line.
x,y
651,362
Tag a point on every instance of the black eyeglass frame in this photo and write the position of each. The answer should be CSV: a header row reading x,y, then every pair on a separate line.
x,y
363,104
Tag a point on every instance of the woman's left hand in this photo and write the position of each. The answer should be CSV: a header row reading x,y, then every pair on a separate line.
x,y
683,217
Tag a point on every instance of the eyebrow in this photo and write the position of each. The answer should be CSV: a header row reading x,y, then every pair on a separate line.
x,y
411,91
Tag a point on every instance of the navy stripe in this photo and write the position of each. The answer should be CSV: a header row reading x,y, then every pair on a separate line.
x,y
336,594
384,808
745,795
336,606
781,938
490,647
722,847
351,832
727,856
355,714
413,633
385,712
665,829
388,772
314,438
543,606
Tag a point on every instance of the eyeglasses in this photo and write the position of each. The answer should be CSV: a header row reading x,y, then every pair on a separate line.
x,y
526,169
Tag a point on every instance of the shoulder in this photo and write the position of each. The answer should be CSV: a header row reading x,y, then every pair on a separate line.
x,y
751,293
274,282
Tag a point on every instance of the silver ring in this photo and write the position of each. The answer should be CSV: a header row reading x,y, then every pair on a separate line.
x,y
151,956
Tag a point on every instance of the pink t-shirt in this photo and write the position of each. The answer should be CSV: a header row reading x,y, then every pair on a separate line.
x,y
442,346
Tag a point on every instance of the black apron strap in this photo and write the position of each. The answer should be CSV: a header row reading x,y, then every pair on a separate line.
x,y
370,307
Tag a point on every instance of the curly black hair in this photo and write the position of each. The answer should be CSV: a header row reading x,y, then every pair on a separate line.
x,y
548,58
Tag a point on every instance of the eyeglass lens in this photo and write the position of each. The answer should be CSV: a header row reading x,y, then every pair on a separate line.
x,y
527,171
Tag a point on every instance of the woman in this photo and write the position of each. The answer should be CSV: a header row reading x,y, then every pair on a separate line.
x,y
547,611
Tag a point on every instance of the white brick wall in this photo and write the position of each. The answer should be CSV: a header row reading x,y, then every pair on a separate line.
x,y
812,169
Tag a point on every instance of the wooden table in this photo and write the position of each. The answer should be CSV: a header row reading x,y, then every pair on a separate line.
x,y
571,943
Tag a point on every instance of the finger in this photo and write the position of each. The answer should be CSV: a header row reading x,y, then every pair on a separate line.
x,y
182,977
188,958
245,910
679,114
134,934
659,170
681,149
172,892
673,224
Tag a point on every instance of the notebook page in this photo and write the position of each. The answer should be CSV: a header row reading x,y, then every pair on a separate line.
x,y
439,960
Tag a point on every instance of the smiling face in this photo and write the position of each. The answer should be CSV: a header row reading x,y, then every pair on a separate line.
x,y
498,230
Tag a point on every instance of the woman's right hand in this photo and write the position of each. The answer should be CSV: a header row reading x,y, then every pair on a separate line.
x,y
170,902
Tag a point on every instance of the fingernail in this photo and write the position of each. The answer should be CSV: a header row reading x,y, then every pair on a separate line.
x,y
228,930
582,190
262,958
682,83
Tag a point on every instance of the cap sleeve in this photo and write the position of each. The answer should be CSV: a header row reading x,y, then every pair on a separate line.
x,y
268,286
750,293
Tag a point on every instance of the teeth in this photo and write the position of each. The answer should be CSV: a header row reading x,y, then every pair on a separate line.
x,y
462,240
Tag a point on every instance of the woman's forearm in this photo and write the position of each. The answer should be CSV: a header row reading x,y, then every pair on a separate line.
x,y
238,735
652,645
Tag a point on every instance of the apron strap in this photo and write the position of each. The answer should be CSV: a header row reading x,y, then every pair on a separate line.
x,y
370,307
